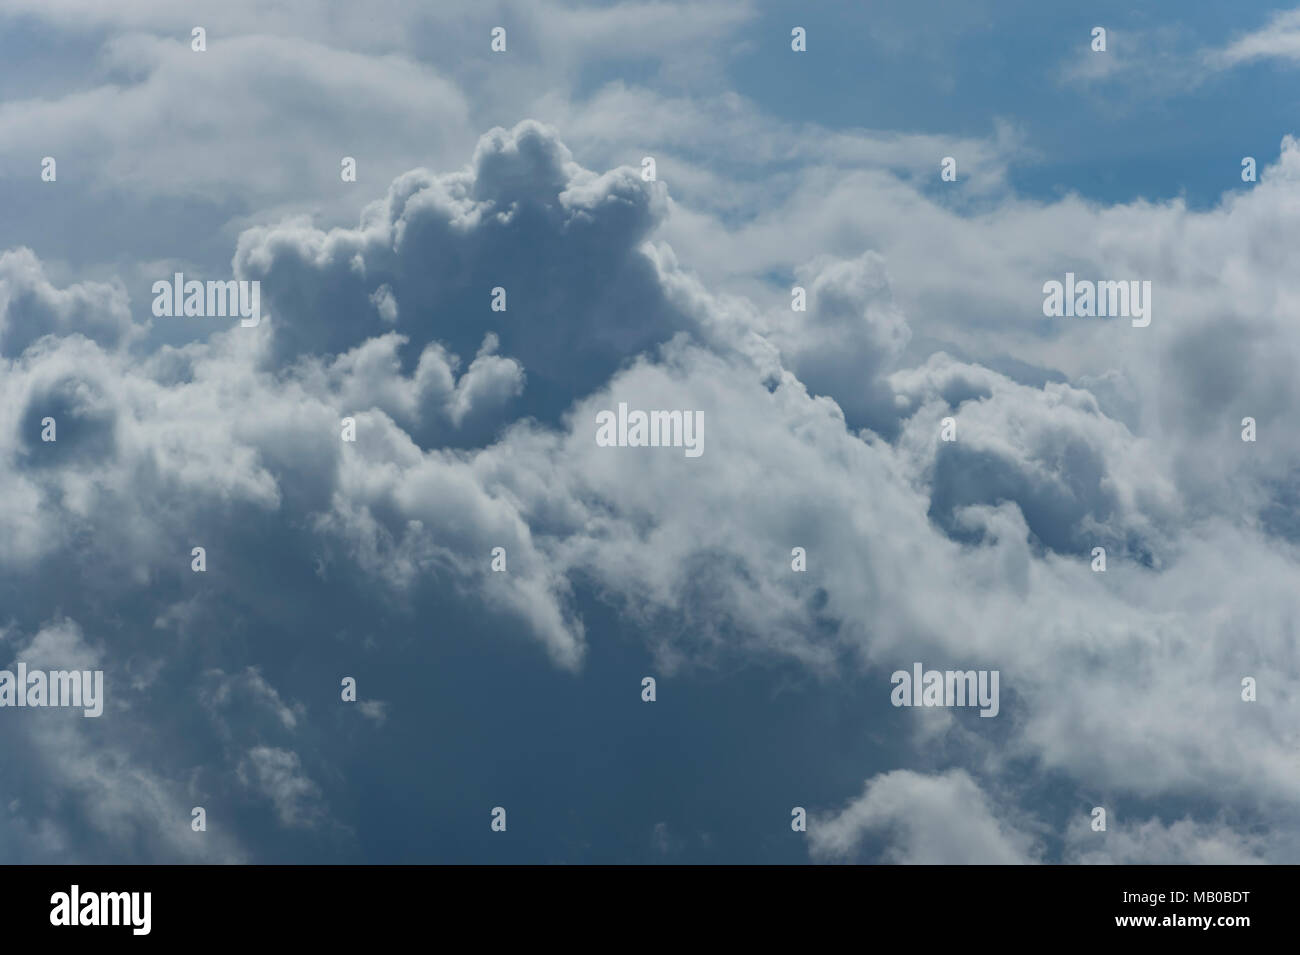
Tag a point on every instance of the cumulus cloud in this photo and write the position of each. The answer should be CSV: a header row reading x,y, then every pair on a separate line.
x,y
560,241
925,820
822,431
31,307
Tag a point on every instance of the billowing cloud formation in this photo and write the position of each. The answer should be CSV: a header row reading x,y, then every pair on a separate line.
x,y
31,307
822,431
560,243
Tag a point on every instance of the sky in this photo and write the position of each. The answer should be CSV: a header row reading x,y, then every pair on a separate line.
x,y
916,467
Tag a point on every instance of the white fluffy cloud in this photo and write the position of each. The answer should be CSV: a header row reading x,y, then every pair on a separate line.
x,y
926,820
176,123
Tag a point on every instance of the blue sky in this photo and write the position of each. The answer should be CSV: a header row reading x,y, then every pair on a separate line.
x,y
476,429
944,68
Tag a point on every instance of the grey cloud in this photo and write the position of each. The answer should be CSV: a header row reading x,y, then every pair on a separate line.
x,y
31,306
277,774
1118,678
194,125
563,243
94,790
1080,478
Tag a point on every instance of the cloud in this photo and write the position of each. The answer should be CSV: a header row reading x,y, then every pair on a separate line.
x,y
178,123
95,791
1079,478
822,431
277,774
520,216
370,376
1279,39
247,692
30,306
925,820
1161,62
1152,842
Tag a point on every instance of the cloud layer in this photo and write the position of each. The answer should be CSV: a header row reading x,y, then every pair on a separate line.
x,y
470,322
